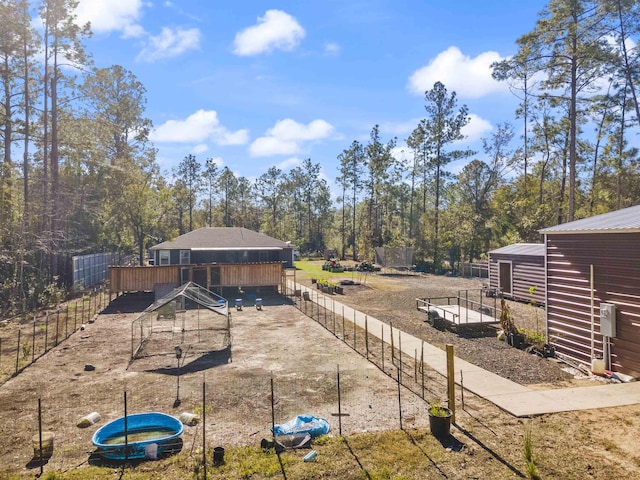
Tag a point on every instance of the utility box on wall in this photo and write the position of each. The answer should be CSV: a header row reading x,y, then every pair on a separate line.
x,y
608,319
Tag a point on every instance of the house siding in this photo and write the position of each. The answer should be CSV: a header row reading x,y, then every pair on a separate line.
x,y
616,264
527,271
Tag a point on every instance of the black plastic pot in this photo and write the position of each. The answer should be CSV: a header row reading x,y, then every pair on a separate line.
x,y
440,425
218,456
515,340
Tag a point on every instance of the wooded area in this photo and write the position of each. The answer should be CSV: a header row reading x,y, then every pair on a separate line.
x,y
78,172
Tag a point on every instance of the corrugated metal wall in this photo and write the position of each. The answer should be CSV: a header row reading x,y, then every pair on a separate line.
x,y
527,271
616,262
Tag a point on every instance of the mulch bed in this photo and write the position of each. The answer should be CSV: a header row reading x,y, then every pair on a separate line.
x,y
392,299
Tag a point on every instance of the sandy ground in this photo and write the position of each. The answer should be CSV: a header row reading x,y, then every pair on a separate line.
x,y
277,343
280,346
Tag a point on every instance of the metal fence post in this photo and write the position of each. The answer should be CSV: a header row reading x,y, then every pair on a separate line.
x,y
422,367
18,350
33,341
399,396
57,325
46,332
366,335
339,405
204,429
382,343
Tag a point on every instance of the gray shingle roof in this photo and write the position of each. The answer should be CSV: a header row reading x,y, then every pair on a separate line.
x,y
533,249
222,238
626,220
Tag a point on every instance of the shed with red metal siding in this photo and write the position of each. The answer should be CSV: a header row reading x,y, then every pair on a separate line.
x,y
517,272
590,264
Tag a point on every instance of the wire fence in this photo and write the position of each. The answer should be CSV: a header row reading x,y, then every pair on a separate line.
x,y
410,371
233,408
238,413
26,338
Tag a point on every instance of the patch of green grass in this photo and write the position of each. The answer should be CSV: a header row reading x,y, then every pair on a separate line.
x,y
396,455
313,269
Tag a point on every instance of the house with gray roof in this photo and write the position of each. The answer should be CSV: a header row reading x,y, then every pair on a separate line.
x,y
222,245
220,259
592,273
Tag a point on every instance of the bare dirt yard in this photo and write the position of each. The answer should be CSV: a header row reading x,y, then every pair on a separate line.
x,y
279,346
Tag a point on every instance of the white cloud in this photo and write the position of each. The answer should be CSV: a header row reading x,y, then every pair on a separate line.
x,y
276,30
266,146
200,148
476,128
170,43
331,48
199,127
111,15
288,164
286,137
468,77
400,128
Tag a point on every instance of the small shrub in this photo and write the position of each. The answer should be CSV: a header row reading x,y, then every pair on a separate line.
x,y
532,468
437,410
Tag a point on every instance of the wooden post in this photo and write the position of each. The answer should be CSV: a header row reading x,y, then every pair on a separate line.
x,y
451,385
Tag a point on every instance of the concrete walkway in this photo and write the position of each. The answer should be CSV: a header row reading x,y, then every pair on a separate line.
x,y
511,397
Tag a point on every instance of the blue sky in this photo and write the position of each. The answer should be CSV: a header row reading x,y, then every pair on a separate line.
x,y
257,84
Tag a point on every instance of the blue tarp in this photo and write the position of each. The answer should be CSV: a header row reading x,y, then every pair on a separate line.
x,y
314,426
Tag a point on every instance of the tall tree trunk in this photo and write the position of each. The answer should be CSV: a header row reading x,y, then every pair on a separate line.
x,y
627,67
573,120
27,134
55,174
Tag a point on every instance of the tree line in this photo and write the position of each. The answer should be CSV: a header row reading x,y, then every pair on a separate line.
x,y
78,173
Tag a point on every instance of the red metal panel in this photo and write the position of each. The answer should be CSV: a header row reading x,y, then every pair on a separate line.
x,y
527,271
616,262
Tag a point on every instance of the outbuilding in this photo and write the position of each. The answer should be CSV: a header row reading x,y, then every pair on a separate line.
x,y
593,290
517,272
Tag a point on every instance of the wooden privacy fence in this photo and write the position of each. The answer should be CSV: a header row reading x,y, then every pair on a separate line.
x,y
209,276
